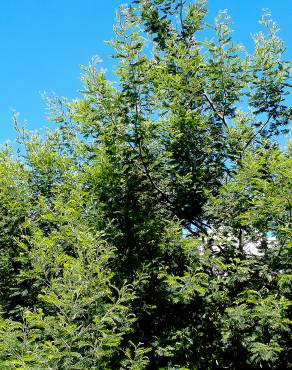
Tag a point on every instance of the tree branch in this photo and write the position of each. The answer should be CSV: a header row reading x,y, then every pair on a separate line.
x,y
255,135
212,105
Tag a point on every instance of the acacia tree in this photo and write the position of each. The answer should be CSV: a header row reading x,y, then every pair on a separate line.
x,y
137,215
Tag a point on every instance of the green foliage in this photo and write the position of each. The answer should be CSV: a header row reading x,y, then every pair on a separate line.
x,y
152,229
15,198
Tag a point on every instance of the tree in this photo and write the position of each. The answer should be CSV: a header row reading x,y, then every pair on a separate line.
x,y
134,232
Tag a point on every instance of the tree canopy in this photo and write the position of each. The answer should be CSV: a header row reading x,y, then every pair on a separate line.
x,y
152,228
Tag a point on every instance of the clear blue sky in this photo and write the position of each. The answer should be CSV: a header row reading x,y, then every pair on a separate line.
x,y
43,43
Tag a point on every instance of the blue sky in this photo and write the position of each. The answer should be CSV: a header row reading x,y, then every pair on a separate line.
x,y
44,42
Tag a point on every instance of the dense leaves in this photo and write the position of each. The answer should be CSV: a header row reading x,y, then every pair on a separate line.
x,y
152,229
